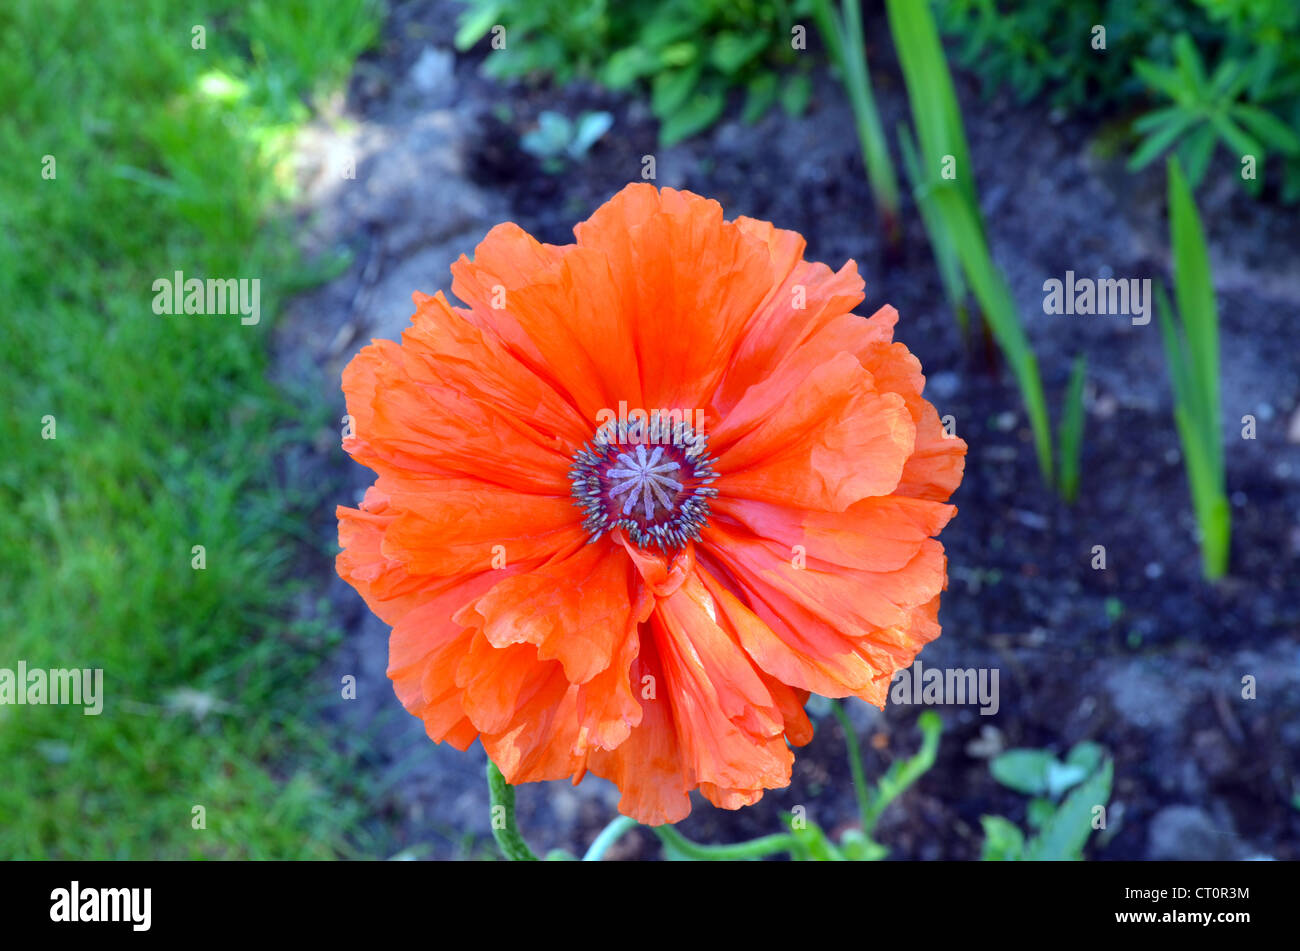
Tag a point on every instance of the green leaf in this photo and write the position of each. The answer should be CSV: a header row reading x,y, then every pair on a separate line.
x,y
1238,140
1061,776
1156,118
1269,128
962,223
1161,138
945,255
1222,77
1190,67
759,97
1063,835
1175,350
627,65
857,847
1197,150
1087,754
843,37
1194,293
549,139
671,90
475,23
668,27
795,95
1023,770
1003,840
1163,80
731,51
1196,412
1261,69
700,112
1039,811
590,127
813,841
936,113
686,53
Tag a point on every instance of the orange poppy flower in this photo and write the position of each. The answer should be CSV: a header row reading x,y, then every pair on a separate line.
x,y
648,594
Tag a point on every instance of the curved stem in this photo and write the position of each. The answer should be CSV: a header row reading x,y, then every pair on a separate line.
x,y
860,788
754,849
608,836
903,773
504,829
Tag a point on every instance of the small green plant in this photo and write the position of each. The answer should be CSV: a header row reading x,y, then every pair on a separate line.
x,y
1050,48
1191,341
945,254
1068,801
1207,109
842,33
559,140
804,839
1061,822
690,54
1230,67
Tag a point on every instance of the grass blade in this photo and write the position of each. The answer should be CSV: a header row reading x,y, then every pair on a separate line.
x,y
945,257
994,296
843,37
936,113
1194,292
1191,341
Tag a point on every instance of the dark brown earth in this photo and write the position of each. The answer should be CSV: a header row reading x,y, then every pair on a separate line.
x,y
1143,657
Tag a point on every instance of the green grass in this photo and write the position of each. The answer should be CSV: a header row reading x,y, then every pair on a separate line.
x,y
168,433
842,33
943,184
1191,340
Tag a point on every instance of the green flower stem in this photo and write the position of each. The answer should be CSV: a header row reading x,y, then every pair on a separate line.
x,y
754,849
506,833
903,773
608,836
860,788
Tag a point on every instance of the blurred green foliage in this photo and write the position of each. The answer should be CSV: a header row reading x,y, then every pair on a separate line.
x,y
690,54
1209,109
1190,333
1214,71
943,184
841,30
1061,823
1044,48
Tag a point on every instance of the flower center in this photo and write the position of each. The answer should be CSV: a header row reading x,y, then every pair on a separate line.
x,y
654,484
